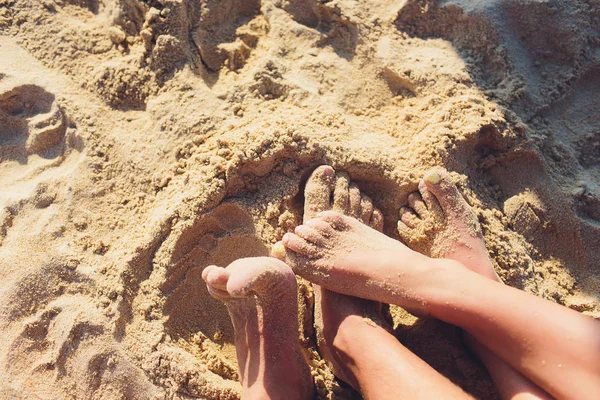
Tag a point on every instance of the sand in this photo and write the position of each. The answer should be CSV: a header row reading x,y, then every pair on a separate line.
x,y
141,141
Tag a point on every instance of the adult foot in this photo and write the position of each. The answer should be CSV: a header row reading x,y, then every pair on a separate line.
x,y
346,256
439,222
260,294
326,190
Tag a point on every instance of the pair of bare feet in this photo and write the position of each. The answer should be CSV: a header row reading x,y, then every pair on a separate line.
x,y
340,246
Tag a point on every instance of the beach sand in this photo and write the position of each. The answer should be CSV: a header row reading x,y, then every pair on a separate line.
x,y
141,141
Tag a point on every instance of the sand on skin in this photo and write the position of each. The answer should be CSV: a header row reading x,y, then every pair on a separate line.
x,y
140,144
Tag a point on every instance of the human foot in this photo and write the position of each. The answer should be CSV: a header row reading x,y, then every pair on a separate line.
x,y
344,255
326,190
260,294
439,222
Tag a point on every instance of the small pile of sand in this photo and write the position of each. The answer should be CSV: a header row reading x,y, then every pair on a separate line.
x,y
141,140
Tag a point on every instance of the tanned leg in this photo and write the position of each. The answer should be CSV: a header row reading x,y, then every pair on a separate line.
x,y
260,294
555,347
438,221
351,333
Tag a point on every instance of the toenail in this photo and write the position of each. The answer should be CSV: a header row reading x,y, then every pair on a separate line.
x,y
328,171
278,250
433,178
309,222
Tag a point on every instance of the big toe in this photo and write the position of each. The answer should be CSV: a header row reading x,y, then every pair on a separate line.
x,y
440,184
258,275
318,191
215,276
216,281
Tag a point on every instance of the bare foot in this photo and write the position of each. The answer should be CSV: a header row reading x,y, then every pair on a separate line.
x,y
346,256
260,294
439,222
326,190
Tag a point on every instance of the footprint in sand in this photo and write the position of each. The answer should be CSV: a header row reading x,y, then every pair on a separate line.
x,y
219,237
32,137
31,122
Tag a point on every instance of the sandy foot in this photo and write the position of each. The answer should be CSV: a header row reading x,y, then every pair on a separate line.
x,y
326,190
344,255
260,294
440,222
453,232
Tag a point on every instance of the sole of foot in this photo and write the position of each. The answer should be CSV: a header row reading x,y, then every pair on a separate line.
x,y
261,297
327,190
346,256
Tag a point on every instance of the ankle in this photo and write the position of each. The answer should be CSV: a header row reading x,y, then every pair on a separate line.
x,y
422,291
451,290
345,336
424,285
282,374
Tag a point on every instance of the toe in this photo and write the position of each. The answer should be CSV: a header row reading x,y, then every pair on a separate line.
x,y
417,204
366,208
355,200
278,251
310,234
206,271
321,226
440,184
318,190
300,264
433,206
405,232
217,277
341,194
299,245
258,275
336,220
408,217
376,221
454,207
216,282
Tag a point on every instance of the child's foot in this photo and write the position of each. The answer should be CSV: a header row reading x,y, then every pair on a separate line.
x,y
260,294
439,222
326,190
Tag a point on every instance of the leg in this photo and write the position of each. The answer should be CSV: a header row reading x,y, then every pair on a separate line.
x,y
510,383
374,362
439,222
555,347
326,190
260,294
350,331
